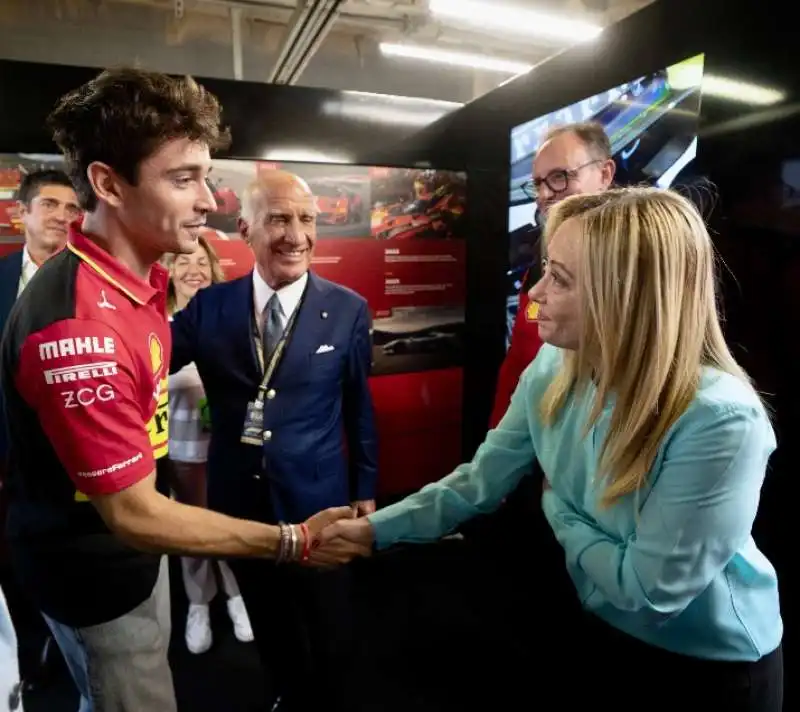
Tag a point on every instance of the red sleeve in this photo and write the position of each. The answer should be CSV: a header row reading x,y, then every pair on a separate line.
x,y
79,378
520,354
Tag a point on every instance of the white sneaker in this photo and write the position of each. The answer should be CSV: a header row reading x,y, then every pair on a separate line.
x,y
240,619
198,629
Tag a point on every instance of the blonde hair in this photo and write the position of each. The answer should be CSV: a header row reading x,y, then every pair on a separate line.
x,y
217,275
646,277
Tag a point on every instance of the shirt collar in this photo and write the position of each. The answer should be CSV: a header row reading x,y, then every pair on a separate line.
x,y
114,272
28,265
28,269
289,296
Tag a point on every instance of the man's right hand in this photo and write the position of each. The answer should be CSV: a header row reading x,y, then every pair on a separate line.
x,y
330,550
345,537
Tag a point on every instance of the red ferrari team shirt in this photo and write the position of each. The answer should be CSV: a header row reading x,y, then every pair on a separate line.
x,y
525,344
85,366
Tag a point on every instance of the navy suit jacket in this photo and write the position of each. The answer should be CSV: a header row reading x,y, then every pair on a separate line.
x,y
322,450
10,273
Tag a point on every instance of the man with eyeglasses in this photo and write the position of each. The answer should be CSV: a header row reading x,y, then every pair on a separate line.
x,y
572,159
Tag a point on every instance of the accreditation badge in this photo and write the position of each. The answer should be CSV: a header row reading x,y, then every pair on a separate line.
x,y
253,430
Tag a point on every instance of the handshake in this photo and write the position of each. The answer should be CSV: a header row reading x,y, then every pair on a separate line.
x,y
337,536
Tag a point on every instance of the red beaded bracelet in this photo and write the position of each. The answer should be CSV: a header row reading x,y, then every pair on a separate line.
x,y
306,555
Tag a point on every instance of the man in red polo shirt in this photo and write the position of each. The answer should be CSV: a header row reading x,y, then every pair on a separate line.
x,y
572,159
85,359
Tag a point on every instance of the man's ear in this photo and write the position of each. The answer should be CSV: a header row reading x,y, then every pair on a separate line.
x,y
107,185
609,171
243,228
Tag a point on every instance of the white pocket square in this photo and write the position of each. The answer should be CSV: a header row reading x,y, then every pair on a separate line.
x,y
325,349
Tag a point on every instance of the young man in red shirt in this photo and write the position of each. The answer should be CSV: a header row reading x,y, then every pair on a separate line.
x,y
572,159
85,359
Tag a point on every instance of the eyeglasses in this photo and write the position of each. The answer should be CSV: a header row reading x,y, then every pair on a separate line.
x,y
556,181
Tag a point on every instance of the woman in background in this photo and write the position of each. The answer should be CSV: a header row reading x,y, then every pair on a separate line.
x,y
188,450
654,446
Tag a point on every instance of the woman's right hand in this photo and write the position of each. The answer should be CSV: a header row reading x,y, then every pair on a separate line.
x,y
337,538
354,536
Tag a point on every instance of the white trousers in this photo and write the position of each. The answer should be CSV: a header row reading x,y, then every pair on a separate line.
x,y
9,663
198,573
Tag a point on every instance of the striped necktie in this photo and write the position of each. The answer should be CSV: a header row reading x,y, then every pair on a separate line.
x,y
273,326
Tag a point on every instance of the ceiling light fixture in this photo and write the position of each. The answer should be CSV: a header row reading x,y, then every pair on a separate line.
x,y
392,99
381,115
304,155
744,92
491,16
455,59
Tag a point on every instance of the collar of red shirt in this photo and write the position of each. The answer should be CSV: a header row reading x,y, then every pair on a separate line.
x,y
114,272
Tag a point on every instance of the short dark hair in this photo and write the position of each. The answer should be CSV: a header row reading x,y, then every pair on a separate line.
x,y
122,116
591,133
33,182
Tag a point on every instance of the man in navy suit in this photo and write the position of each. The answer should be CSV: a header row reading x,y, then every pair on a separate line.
x,y
47,203
285,356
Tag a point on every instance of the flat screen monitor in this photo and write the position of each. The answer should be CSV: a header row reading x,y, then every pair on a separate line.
x,y
652,124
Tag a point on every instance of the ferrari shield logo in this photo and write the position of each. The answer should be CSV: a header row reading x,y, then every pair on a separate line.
x,y
532,311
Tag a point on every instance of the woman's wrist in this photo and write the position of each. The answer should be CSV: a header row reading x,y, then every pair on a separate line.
x,y
370,526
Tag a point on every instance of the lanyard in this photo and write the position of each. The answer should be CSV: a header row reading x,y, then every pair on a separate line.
x,y
277,353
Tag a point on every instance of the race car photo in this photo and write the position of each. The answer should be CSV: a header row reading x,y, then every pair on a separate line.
x,y
432,214
338,205
395,222
431,342
228,207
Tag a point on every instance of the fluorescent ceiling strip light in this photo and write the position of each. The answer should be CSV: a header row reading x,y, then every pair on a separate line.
x,y
383,115
304,155
490,16
456,59
395,99
744,92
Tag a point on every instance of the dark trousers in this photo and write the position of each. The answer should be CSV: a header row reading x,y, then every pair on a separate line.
x,y
604,665
635,676
303,625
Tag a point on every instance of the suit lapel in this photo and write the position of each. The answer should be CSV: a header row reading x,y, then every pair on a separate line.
x,y
309,318
10,272
236,320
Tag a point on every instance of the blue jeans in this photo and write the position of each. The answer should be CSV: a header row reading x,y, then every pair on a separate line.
x,y
121,665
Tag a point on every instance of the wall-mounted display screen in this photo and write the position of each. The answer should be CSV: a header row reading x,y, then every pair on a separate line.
x,y
394,235
652,124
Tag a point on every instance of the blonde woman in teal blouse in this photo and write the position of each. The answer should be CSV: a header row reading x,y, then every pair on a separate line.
x,y
654,446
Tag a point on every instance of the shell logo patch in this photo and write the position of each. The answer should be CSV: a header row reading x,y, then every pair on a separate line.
x,y
156,354
532,311
158,427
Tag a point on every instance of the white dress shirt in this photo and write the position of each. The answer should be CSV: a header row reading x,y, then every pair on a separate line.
x,y
289,297
29,268
188,438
